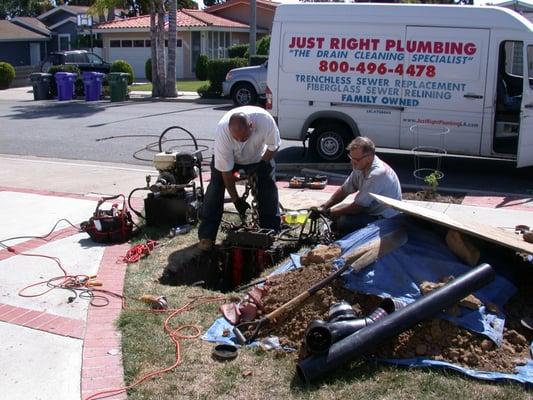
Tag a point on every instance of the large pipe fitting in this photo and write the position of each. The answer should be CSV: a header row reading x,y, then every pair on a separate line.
x,y
366,338
342,321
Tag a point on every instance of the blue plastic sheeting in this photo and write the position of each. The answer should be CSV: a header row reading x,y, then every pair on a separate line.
x,y
425,257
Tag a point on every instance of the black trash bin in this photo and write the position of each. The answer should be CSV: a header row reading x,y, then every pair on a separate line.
x,y
41,85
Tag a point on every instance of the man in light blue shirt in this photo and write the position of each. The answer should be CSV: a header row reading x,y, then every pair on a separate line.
x,y
370,175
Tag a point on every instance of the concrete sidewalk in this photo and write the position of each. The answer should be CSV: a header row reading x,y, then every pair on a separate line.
x,y
69,349
25,93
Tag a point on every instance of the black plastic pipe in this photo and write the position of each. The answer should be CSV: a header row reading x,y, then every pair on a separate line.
x,y
320,335
393,324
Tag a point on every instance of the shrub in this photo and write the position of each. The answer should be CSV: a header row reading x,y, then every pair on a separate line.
x,y
7,74
148,70
237,51
217,70
262,46
207,92
123,66
201,67
79,91
258,60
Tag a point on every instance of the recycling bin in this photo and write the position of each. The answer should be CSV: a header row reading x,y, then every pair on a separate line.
x,y
92,85
41,85
118,85
65,85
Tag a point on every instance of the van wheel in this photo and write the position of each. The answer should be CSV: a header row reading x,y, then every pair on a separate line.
x,y
243,94
328,142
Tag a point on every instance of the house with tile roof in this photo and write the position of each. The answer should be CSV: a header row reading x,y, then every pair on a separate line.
x,y
199,32
20,45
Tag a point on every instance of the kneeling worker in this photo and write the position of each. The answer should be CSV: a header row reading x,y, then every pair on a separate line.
x,y
246,138
369,175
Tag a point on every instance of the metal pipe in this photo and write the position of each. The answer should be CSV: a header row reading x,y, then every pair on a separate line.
x,y
393,324
320,335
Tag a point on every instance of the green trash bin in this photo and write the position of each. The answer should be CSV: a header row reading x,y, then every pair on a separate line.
x,y
118,85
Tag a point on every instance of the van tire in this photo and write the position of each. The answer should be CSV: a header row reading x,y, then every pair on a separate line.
x,y
328,142
243,94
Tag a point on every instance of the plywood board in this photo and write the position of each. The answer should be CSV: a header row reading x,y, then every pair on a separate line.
x,y
485,232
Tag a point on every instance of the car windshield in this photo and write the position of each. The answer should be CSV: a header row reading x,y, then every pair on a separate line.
x,y
94,59
76,58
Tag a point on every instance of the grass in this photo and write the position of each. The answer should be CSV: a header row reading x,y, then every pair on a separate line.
x,y
147,348
183,86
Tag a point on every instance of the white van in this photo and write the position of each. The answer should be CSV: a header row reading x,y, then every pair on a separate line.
x,y
397,72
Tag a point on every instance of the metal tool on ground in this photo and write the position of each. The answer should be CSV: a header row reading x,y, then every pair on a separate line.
x,y
317,182
357,259
393,324
176,197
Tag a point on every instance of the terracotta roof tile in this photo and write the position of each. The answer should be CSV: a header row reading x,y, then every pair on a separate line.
x,y
185,19
230,3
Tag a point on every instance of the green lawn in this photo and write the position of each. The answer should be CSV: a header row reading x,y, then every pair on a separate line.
x,y
183,86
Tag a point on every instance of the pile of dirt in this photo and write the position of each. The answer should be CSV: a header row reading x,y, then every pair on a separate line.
x,y
437,339
428,195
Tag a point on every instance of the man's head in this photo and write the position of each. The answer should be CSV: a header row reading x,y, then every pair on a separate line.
x,y
361,152
240,126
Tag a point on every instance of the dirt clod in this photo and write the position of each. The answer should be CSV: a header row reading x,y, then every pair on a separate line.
x,y
321,254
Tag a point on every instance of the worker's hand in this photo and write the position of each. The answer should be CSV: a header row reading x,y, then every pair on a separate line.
x,y
325,211
241,205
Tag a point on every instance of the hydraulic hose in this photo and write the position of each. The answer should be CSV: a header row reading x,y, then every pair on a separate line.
x,y
350,347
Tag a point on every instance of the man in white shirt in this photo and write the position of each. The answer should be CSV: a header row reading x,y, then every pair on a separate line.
x,y
246,138
370,175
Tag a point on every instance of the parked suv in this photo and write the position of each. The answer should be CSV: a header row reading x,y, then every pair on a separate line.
x,y
84,60
246,85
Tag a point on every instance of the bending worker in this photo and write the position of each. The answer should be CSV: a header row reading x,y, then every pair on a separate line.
x,y
246,138
369,175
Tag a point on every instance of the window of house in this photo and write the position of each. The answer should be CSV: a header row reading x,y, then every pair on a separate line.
x,y
179,43
147,43
63,41
195,48
127,43
138,43
114,43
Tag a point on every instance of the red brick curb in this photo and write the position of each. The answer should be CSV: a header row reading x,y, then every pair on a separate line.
x,y
48,193
102,355
42,321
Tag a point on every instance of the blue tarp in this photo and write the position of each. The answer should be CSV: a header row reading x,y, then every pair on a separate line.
x,y
425,257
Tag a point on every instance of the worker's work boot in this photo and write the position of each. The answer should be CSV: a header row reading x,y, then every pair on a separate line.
x,y
205,244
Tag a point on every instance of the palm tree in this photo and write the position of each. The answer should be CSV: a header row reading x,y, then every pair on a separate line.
x,y
172,43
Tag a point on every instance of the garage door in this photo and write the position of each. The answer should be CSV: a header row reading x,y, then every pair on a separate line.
x,y
137,56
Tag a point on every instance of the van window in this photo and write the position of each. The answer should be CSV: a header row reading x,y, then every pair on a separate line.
x,y
530,65
513,57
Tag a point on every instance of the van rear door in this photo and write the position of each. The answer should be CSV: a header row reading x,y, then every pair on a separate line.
x,y
443,88
525,137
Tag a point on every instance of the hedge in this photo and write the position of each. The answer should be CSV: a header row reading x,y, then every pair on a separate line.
x,y
123,66
7,74
201,67
237,51
217,70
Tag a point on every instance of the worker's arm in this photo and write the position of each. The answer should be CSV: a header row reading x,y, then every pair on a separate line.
x,y
229,182
346,209
336,198
269,155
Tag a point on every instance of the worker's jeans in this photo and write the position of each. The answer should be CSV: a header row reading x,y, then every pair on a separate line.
x,y
267,199
349,223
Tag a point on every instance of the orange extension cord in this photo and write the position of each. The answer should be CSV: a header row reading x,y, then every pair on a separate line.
x,y
135,253
175,335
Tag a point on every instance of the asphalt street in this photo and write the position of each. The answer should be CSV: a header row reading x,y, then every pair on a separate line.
x,y
120,132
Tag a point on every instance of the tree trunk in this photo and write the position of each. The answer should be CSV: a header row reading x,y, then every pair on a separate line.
x,y
161,73
172,42
111,14
153,50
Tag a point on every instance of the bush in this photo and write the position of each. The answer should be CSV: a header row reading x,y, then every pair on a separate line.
x,y
237,51
79,91
7,74
201,67
258,60
148,70
206,92
217,70
262,46
123,66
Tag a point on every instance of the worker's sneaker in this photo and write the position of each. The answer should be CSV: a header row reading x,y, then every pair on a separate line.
x,y
205,244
